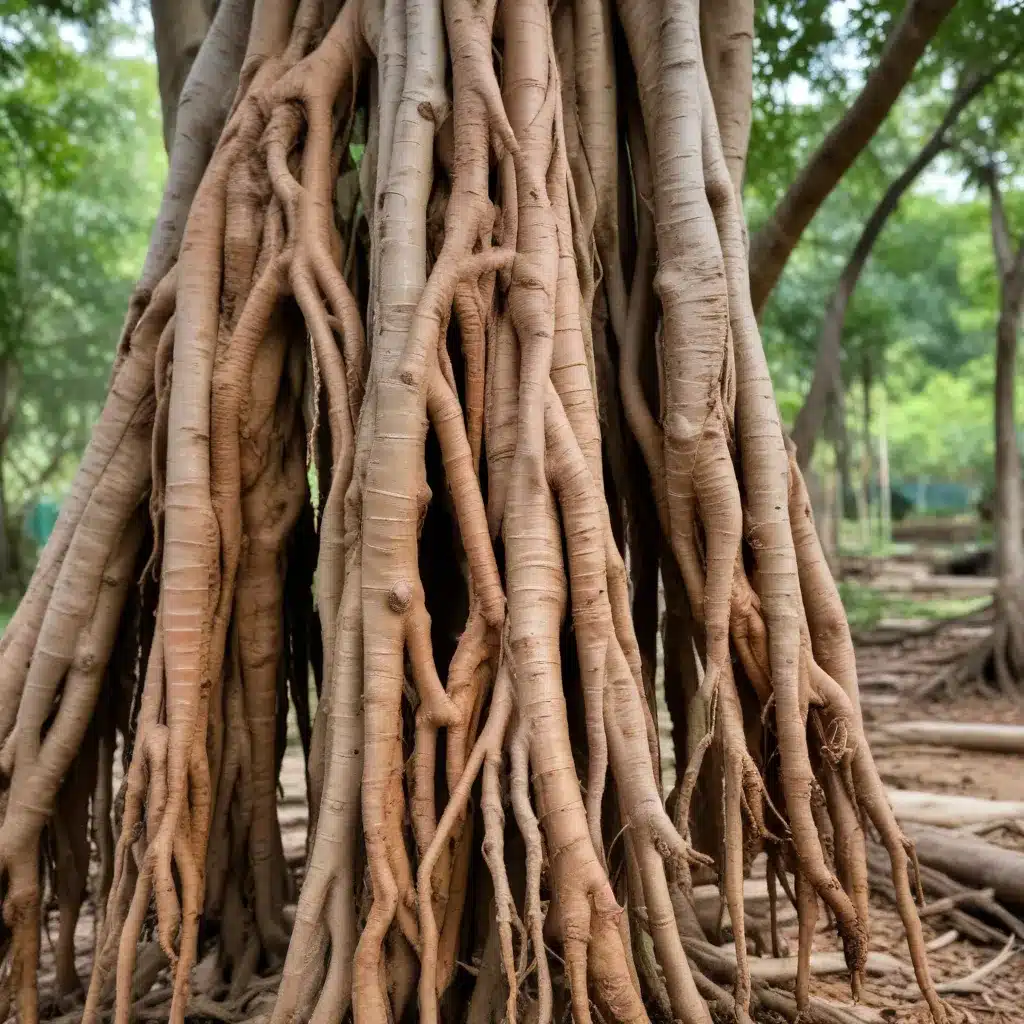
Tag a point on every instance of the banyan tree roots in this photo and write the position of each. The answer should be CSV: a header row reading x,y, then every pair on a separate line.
x,y
456,335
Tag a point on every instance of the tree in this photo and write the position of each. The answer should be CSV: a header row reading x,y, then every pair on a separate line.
x,y
73,122
772,245
1008,637
178,31
266,323
826,379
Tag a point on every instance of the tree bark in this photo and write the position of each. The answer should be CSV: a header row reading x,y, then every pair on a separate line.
x,y
1009,513
826,367
1008,636
207,94
771,246
727,40
179,27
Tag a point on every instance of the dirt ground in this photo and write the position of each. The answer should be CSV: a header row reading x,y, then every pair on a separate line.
x,y
942,770
894,661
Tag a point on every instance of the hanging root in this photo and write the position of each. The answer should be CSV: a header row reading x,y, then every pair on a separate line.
x,y
537,269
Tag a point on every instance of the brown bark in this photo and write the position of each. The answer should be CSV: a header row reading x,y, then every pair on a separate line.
x,y
771,246
1009,508
727,41
827,363
179,27
206,95
1009,514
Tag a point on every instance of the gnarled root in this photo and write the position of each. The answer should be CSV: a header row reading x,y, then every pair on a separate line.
x,y
451,355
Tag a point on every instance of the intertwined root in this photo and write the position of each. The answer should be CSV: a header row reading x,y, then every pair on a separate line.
x,y
296,327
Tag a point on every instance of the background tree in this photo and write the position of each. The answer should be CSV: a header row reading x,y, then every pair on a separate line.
x,y
1008,640
75,124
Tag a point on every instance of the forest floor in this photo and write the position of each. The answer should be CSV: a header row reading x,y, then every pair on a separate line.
x,y
911,621
1000,996
896,654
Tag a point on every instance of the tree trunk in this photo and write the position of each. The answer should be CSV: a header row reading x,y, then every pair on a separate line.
x,y
884,479
1009,515
1008,635
475,618
827,362
727,41
770,248
838,438
867,455
179,27
202,106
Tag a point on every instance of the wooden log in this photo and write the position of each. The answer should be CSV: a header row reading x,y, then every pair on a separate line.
x,y
773,970
938,884
989,738
971,860
944,809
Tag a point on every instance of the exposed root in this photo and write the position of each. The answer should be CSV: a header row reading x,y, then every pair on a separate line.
x,y
443,340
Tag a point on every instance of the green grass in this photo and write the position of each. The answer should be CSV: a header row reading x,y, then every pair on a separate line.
x,y
867,606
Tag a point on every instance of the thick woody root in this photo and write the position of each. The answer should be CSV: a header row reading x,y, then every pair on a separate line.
x,y
457,340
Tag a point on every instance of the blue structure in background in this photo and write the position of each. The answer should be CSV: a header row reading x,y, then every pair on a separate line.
x,y
41,519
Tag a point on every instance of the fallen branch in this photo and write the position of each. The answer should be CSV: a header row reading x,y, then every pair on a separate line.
x,y
950,811
947,903
943,940
818,1011
971,860
773,970
967,925
968,982
983,736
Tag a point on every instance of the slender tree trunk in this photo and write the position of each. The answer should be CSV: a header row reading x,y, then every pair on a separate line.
x,y
884,481
839,439
771,246
1009,515
867,456
1009,509
826,367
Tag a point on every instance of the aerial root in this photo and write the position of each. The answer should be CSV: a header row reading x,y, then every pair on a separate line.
x,y
488,435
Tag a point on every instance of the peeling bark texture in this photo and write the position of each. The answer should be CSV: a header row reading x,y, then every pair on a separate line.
x,y
825,379
462,361
773,243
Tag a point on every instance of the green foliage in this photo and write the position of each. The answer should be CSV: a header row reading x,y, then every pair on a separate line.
x,y
866,606
81,162
921,323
